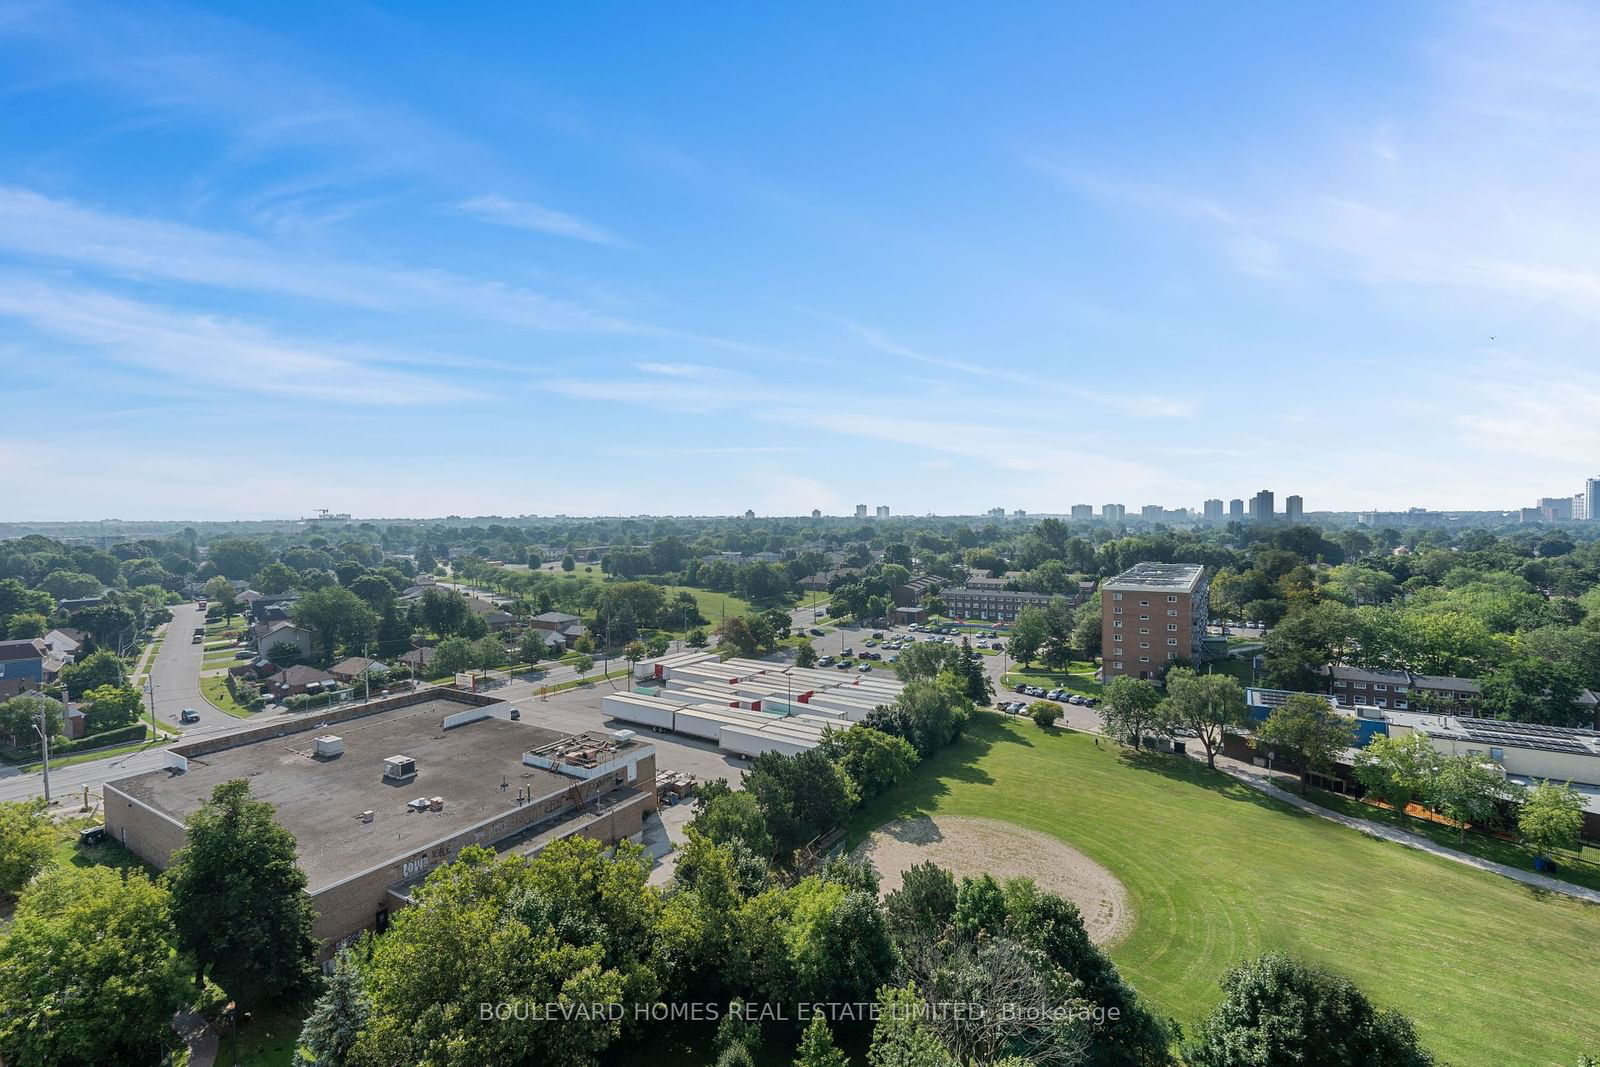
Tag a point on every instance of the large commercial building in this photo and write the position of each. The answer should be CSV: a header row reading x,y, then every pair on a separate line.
x,y
376,795
1153,613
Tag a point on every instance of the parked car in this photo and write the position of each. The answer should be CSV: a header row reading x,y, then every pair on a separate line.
x,y
844,665
188,715
825,661
244,653
864,668
847,651
816,631
197,638
877,635
1076,699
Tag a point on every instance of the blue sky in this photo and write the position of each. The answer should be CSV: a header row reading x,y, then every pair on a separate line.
x,y
599,258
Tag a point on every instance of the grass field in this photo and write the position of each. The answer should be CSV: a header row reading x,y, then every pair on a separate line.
x,y
1079,677
1580,868
1492,972
712,605
215,689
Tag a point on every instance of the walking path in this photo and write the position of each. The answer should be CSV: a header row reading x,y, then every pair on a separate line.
x,y
1088,721
199,1036
1257,780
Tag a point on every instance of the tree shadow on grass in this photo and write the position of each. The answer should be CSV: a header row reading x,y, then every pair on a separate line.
x,y
931,780
1194,773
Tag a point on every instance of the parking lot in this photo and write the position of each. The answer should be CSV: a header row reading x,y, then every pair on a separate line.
x,y
835,639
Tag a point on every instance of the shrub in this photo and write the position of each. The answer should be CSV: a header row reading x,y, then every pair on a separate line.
x,y
1044,713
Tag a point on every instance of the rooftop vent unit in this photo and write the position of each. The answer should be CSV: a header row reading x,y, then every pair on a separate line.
x,y
436,803
330,746
399,768
622,735
418,804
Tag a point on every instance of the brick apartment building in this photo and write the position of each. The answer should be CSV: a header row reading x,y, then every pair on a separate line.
x,y
989,603
1409,691
1150,614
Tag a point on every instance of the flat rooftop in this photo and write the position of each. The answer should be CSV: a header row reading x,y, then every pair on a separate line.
x,y
1158,578
320,801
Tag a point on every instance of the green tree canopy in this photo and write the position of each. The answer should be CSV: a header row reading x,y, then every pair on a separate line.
x,y
88,971
27,841
1309,729
1551,817
1277,1010
239,899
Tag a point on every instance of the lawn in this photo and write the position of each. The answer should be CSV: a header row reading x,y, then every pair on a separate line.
x,y
1581,867
1492,971
267,1039
106,854
214,688
713,606
1078,677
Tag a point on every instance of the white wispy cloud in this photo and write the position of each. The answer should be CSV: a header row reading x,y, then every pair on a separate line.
x,y
265,94
1478,186
1145,404
208,350
699,371
526,215
45,227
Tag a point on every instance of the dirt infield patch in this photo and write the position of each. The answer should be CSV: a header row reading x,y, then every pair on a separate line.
x,y
977,846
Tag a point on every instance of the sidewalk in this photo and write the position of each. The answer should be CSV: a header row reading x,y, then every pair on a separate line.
x,y
1256,779
199,1036
1087,721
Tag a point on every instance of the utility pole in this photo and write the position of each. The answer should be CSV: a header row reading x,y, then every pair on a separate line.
x,y
43,730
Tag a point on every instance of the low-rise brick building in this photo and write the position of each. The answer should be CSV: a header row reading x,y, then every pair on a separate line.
x,y
378,794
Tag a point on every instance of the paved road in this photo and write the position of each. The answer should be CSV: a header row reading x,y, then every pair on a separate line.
x,y
175,677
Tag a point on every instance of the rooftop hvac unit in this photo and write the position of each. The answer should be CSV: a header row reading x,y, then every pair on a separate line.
x,y
329,746
436,803
399,768
623,735
418,804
